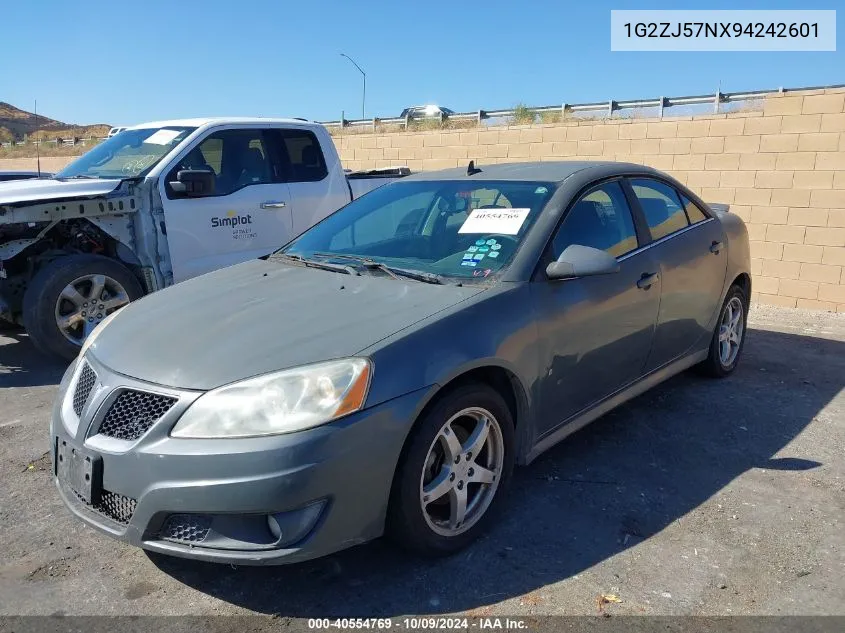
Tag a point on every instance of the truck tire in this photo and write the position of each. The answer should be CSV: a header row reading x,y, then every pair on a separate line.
x,y
69,296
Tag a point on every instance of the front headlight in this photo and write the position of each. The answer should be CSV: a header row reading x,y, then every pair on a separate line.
x,y
281,402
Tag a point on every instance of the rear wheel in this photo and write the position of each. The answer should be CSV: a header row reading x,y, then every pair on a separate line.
x,y
456,465
70,296
728,337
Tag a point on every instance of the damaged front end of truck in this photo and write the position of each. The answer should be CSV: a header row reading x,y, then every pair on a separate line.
x,y
53,224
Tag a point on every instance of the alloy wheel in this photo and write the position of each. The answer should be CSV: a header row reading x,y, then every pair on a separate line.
x,y
85,302
462,471
731,330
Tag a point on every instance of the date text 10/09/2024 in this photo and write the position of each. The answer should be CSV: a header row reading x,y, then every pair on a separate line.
x,y
419,623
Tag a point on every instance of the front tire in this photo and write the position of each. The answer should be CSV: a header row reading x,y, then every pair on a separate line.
x,y
729,336
70,295
453,473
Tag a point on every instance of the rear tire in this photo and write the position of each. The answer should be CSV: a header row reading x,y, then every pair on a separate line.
x,y
728,337
77,291
463,446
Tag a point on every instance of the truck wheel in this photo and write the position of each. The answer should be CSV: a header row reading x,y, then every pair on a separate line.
x,y
69,296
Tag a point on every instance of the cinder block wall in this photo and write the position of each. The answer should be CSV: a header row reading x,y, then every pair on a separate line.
x,y
781,168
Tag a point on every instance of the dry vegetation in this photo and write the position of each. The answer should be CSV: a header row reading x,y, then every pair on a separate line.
x,y
17,124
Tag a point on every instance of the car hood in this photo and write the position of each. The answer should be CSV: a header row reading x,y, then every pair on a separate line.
x,y
35,189
260,317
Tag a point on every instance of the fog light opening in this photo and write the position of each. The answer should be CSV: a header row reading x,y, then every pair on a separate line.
x,y
290,527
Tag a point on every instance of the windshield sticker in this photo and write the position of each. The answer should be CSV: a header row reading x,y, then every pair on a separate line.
x,y
469,263
467,255
162,137
496,247
472,249
477,242
493,254
541,190
483,249
490,242
501,221
478,257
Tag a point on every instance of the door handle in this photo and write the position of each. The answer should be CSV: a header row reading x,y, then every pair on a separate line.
x,y
715,247
271,204
647,280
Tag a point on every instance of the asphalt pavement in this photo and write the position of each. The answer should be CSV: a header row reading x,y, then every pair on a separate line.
x,y
706,497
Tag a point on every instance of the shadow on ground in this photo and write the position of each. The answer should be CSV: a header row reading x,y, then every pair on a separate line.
x,y
619,481
21,365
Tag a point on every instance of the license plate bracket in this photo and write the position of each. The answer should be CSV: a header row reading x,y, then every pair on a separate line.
x,y
80,470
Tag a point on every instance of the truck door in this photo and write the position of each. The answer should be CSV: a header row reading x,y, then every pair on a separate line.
x,y
248,214
317,182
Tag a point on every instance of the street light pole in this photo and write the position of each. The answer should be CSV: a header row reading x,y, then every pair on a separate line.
x,y
364,75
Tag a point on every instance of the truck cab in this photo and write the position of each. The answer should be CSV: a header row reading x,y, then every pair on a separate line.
x,y
154,205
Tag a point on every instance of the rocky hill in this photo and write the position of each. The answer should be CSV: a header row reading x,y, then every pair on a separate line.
x,y
15,124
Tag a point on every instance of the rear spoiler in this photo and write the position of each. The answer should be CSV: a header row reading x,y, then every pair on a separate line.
x,y
388,172
719,208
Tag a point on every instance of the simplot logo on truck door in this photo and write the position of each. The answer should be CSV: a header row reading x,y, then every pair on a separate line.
x,y
238,223
233,218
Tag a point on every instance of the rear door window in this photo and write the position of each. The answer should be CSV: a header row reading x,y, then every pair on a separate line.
x,y
300,157
694,214
661,207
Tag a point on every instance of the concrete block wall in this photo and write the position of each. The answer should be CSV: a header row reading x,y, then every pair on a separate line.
x,y
781,168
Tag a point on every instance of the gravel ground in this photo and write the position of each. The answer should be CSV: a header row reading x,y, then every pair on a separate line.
x,y
700,497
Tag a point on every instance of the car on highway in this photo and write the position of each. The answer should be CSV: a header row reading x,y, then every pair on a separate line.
x,y
385,370
156,204
423,111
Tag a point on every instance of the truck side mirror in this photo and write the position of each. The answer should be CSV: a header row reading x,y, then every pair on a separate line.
x,y
194,183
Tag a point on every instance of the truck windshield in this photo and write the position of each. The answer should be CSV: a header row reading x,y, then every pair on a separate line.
x,y
129,154
459,229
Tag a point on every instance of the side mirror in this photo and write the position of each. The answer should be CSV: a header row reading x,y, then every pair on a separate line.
x,y
194,182
582,261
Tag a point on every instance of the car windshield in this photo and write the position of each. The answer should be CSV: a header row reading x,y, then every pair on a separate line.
x,y
461,229
129,154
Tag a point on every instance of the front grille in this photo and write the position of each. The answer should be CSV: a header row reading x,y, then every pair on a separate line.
x,y
133,413
84,385
186,528
112,505
116,507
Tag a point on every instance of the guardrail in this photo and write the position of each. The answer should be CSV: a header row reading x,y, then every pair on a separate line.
x,y
719,101
69,142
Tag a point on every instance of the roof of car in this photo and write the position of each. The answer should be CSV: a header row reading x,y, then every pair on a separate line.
x,y
220,120
545,171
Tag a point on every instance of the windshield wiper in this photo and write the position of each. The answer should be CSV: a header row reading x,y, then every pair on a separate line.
x,y
392,271
337,268
79,177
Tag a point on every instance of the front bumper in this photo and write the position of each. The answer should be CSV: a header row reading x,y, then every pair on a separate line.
x,y
341,472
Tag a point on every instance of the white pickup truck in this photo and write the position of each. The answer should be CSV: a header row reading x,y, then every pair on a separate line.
x,y
154,205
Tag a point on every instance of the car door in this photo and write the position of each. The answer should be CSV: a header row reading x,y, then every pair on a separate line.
x,y
689,246
246,217
595,332
315,179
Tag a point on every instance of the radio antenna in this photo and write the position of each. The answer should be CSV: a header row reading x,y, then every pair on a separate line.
x,y
37,141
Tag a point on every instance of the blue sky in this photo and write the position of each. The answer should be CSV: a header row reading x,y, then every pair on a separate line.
x,y
127,62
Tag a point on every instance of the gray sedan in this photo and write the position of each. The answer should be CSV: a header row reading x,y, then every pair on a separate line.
x,y
383,372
